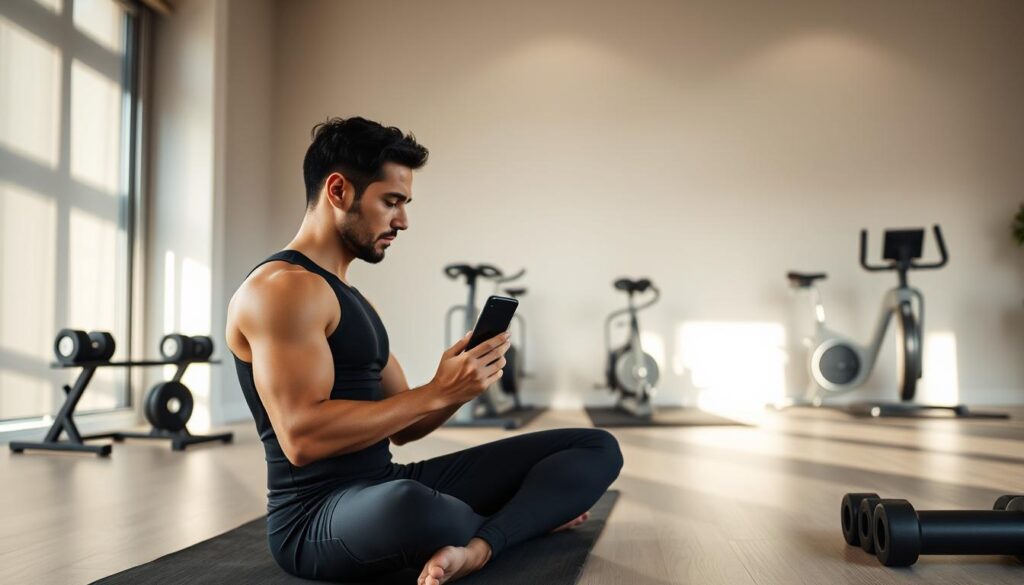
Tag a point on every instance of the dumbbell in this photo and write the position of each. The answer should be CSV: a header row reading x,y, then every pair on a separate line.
x,y
176,347
202,347
866,520
169,406
857,511
850,511
903,533
73,346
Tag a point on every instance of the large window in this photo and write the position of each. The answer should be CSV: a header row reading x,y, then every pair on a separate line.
x,y
67,198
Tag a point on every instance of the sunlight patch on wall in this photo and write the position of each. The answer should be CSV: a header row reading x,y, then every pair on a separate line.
x,y
92,298
95,128
737,368
940,383
101,20
194,307
28,236
55,6
30,95
170,302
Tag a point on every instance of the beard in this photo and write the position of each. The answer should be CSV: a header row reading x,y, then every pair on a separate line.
x,y
359,241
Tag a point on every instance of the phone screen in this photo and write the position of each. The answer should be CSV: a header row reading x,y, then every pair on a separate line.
x,y
494,319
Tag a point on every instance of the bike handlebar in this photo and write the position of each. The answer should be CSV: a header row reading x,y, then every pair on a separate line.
x,y
637,308
657,295
454,271
944,255
647,286
864,254
510,278
942,252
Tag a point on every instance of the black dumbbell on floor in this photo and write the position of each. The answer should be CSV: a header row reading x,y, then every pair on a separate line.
x,y
898,534
850,514
903,533
857,511
866,522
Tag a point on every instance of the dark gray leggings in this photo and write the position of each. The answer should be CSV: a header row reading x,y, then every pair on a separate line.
x,y
504,492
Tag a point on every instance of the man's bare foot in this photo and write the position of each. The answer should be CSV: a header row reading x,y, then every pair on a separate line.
x,y
573,523
453,562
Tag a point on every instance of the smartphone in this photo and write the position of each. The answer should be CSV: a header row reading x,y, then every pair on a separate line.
x,y
494,319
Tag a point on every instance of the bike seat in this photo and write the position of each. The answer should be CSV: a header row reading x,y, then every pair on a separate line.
x,y
804,279
632,286
515,292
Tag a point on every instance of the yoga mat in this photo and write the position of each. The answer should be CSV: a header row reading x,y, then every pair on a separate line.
x,y
241,556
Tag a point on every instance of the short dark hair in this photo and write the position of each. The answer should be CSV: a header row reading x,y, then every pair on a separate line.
x,y
357,148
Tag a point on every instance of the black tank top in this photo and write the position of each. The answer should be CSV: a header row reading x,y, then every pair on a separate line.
x,y
359,350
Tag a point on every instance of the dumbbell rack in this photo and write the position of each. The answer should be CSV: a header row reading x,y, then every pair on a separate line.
x,y
64,421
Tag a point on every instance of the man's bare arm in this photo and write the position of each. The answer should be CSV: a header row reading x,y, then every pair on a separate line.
x,y
394,383
293,370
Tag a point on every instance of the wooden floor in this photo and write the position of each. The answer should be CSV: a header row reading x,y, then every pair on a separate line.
x,y
730,505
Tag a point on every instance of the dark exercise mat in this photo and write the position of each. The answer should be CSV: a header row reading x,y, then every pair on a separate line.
x,y
241,556
663,417
515,419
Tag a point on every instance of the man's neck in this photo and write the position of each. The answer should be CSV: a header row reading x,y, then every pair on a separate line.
x,y
321,245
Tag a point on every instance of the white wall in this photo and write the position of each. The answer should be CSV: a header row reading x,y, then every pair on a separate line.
x,y
708,145
246,188
209,186
182,170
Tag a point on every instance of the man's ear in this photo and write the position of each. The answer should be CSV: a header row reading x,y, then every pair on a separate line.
x,y
338,191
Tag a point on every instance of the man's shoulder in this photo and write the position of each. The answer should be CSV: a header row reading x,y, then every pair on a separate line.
x,y
278,275
280,289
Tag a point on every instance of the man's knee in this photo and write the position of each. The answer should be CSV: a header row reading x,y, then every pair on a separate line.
x,y
405,497
606,442
425,516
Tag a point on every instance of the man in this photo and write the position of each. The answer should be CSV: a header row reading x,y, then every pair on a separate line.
x,y
327,396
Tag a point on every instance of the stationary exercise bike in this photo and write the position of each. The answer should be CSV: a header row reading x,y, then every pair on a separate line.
x,y
631,372
838,365
499,405
515,358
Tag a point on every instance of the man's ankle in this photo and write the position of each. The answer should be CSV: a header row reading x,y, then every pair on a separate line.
x,y
480,551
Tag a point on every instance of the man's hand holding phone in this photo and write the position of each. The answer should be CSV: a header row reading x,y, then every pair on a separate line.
x,y
463,375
